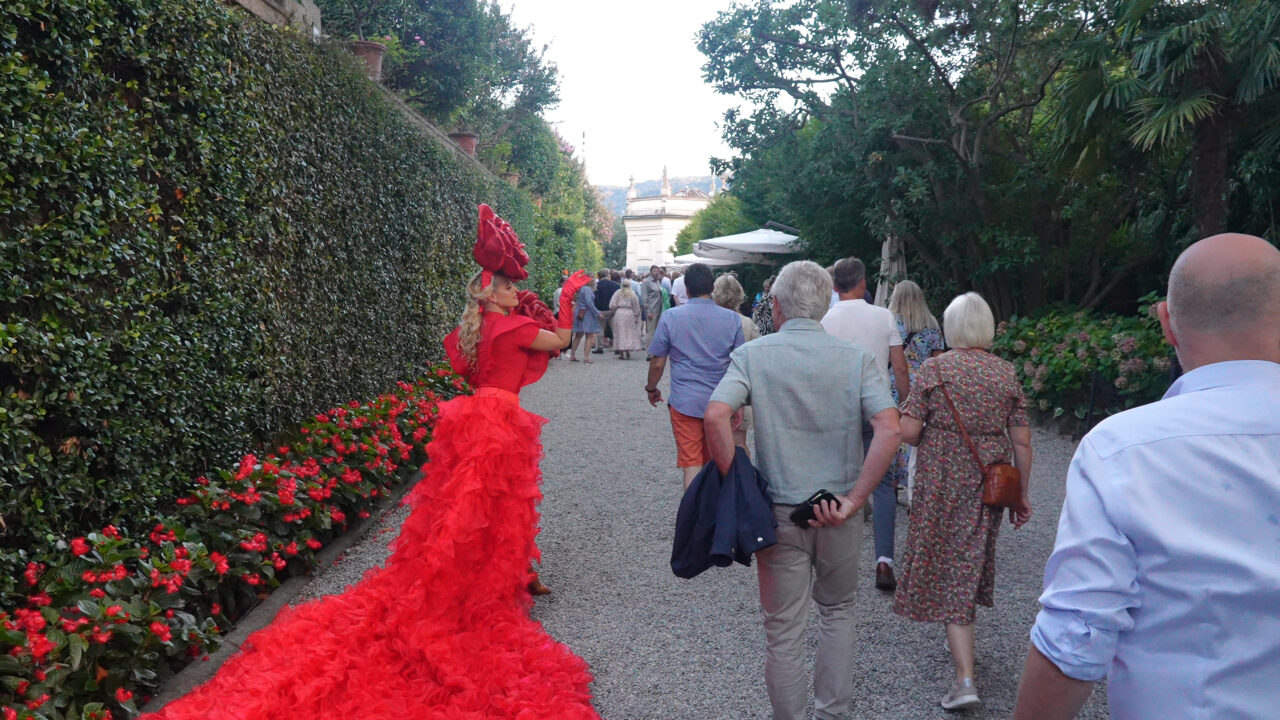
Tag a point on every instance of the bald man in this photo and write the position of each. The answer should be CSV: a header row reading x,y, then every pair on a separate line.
x,y
1165,578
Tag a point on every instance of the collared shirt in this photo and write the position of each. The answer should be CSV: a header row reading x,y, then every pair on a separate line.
x,y
1165,577
870,327
698,337
809,393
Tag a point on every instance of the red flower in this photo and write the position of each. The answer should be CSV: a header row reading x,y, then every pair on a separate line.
x,y
71,626
111,532
216,609
123,695
30,620
220,563
41,599
100,636
79,547
89,576
9,713
33,704
117,611
313,543
39,645
161,534
32,573
97,593
119,572
161,630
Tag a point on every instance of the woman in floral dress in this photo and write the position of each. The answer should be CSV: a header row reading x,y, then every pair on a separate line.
x,y
921,340
949,566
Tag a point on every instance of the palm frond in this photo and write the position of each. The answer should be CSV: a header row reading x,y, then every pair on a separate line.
x,y
1160,120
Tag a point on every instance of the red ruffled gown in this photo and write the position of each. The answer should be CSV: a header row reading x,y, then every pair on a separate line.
x,y
443,631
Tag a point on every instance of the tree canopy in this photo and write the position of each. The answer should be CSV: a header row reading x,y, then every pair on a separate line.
x,y
1028,150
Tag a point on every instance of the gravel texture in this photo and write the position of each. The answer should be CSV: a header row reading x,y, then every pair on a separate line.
x,y
663,648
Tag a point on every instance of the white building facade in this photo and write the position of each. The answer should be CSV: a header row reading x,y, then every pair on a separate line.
x,y
652,223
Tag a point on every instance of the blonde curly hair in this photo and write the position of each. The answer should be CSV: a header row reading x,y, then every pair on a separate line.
x,y
472,317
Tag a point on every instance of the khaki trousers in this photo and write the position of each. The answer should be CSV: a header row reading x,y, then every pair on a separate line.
x,y
821,563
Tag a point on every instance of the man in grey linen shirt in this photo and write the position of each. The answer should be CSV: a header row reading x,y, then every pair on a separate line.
x,y
810,392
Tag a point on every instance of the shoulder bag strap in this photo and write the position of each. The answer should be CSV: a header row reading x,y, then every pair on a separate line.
x,y
963,430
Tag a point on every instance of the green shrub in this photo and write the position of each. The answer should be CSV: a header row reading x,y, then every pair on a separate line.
x,y
1059,354
209,227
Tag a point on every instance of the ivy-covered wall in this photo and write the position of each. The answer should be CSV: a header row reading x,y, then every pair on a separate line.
x,y
209,228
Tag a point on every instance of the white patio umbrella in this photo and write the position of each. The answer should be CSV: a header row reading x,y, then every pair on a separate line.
x,y
762,246
687,260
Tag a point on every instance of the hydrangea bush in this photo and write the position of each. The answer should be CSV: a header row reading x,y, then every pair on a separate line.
x,y
92,627
1063,357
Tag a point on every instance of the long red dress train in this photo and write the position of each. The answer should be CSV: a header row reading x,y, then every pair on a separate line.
x,y
443,630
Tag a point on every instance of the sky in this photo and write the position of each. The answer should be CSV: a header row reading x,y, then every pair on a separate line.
x,y
631,79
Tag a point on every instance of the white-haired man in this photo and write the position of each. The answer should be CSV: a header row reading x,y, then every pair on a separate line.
x,y
1166,573
810,392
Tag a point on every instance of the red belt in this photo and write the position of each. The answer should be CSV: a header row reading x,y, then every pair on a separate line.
x,y
497,392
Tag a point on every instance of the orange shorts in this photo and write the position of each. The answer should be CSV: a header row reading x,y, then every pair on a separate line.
x,y
691,440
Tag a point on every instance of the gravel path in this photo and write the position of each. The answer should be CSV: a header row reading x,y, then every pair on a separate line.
x,y
663,648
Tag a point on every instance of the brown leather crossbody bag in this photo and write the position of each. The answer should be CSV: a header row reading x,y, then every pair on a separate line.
x,y
1001,482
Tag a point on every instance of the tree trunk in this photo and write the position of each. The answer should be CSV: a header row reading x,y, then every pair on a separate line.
x,y
1210,168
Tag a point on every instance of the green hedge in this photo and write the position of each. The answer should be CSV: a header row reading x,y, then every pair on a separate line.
x,y
209,228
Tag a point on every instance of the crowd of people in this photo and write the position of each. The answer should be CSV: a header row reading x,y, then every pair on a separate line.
x,y
1165,576
937,412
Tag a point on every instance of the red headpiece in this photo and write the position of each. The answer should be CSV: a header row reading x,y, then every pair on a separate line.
x,y
497,249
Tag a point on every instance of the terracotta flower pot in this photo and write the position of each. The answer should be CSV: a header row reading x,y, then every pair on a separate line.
x,y
371,53
467,141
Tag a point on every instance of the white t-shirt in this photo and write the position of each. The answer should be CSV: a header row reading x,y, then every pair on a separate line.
x,y
870,327
678,294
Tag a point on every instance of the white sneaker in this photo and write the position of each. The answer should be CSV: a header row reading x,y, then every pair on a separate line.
x,y
963,696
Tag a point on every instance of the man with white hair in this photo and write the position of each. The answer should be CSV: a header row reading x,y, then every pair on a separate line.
x,y
810,392
1165,578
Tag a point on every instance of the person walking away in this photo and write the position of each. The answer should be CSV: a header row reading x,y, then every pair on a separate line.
x,y
586,322
808,389
606,287
950,564
921,340
698,337
728,294
1165,577
626,321
679,295
651,299
873,329
763,313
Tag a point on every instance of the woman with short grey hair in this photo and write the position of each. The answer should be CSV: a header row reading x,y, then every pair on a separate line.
x,y
950,563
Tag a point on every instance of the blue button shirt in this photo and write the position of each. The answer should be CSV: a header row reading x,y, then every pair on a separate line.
x,y
697,337
1166,573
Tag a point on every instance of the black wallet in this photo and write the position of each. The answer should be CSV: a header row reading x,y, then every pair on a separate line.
x,y
804,511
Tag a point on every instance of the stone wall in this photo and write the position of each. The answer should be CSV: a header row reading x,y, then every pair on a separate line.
x,y
301,14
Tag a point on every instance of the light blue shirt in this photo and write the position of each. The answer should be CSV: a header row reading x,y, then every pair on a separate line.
x,y
697,337
809,394
1166,573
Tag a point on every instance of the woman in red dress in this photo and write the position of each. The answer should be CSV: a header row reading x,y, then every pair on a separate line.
x,y
443,631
